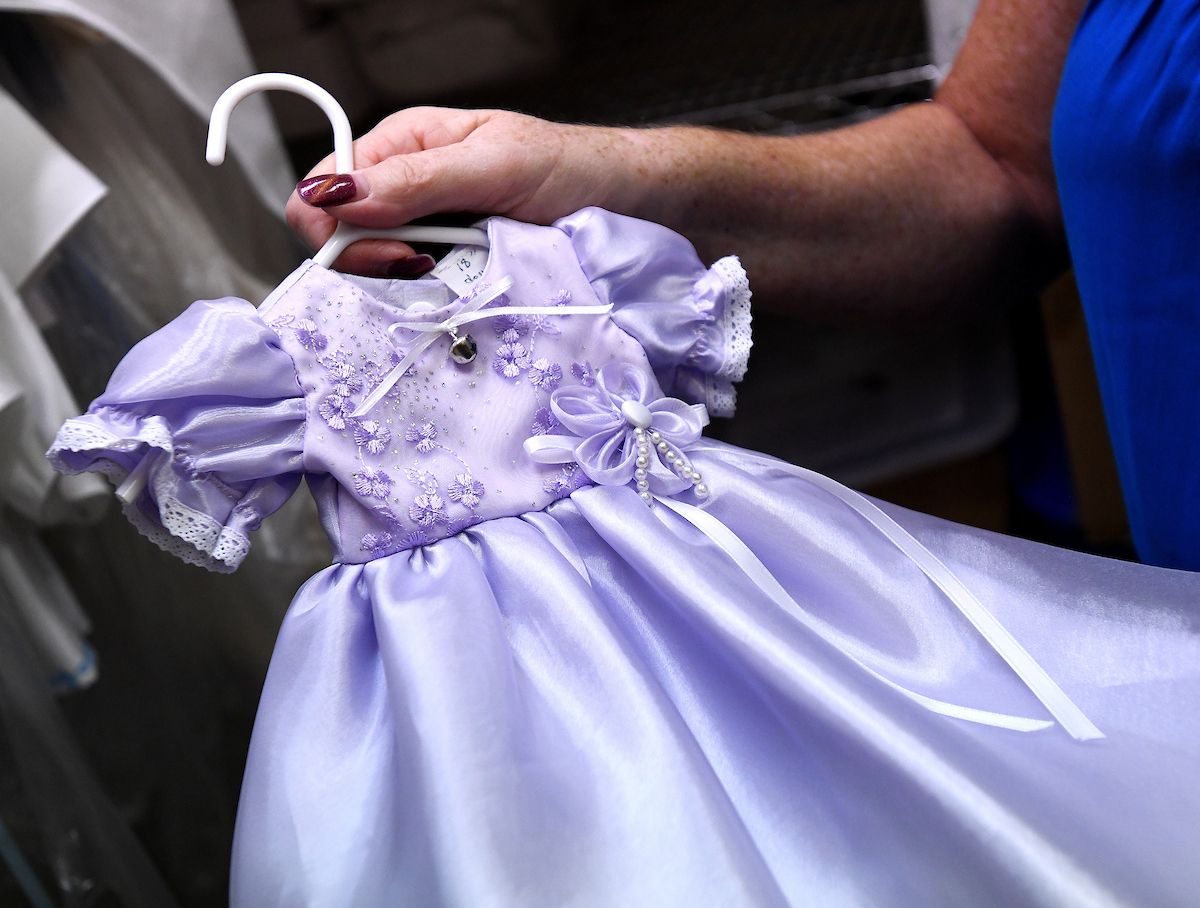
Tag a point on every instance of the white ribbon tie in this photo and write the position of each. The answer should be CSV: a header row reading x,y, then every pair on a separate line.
x,y
469,312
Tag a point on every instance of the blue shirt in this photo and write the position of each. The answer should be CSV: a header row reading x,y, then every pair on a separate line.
x,y
1126,142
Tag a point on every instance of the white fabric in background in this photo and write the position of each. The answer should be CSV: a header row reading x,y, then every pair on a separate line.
x,y
33,397
55,626
54,192
38,401
196,46
51,194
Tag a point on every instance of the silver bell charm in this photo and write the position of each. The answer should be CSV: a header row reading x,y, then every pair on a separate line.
x,y
463,349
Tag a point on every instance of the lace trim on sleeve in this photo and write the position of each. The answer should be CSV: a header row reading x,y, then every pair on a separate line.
x,y
79,436
735,329
192,536
188,534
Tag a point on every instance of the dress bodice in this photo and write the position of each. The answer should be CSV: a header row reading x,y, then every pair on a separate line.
x,y
444,448
233,403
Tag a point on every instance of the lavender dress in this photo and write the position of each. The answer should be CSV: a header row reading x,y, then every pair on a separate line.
x,y
572,653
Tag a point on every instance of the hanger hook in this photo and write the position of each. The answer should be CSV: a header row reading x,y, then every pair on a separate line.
x,y
343,152
218,122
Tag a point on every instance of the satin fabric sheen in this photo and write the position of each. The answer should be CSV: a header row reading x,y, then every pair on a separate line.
x,y
523,686
615,717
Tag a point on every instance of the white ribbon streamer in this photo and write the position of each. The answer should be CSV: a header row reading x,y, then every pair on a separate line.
x,y
470,312
461,319
1069,716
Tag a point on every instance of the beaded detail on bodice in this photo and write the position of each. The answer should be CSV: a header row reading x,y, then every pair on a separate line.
x,y
443,449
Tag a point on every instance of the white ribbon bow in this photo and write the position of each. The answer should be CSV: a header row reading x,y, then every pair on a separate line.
x,y
470,312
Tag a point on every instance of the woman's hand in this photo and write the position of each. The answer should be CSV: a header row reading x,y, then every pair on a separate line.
x,y
429,160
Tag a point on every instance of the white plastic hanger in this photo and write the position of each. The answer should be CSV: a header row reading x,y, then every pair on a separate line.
x,y
343,152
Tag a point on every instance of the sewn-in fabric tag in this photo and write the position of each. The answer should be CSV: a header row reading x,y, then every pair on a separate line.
x,y
461,268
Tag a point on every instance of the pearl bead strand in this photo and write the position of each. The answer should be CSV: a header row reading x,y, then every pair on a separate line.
x,y
643,459
639,416
679,463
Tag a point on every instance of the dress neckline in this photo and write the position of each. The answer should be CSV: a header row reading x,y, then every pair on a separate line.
x,y
378,289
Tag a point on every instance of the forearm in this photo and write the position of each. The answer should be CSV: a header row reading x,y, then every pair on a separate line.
x,y
938,208
904,215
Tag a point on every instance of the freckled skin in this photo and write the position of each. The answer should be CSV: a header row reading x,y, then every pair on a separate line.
x,y
932,210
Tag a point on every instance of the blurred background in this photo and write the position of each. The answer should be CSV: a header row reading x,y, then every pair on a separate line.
x,y
128,682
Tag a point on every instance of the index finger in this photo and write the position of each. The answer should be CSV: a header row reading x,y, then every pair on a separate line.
x,y
406,131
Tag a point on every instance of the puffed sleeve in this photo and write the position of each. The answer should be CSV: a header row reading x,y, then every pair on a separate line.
x,y
208,414
692,321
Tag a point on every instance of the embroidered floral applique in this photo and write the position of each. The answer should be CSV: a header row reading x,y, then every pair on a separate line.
x,y
372,483
427,509
378,544
423,436
545,324
416,537
544,421
335,410
548,324
583,373
500,299
565,481
545,374
337,364
511,360
372,436
346,380
466,490
510,327
308,335
430,507
373,373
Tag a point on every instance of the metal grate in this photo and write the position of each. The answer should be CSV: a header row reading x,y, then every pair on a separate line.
x,y
768,66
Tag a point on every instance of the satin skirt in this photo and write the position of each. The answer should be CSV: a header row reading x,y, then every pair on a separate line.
x,y
593,705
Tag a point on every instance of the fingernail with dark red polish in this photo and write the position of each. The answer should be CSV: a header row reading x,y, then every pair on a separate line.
x,y
327,189
411,266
